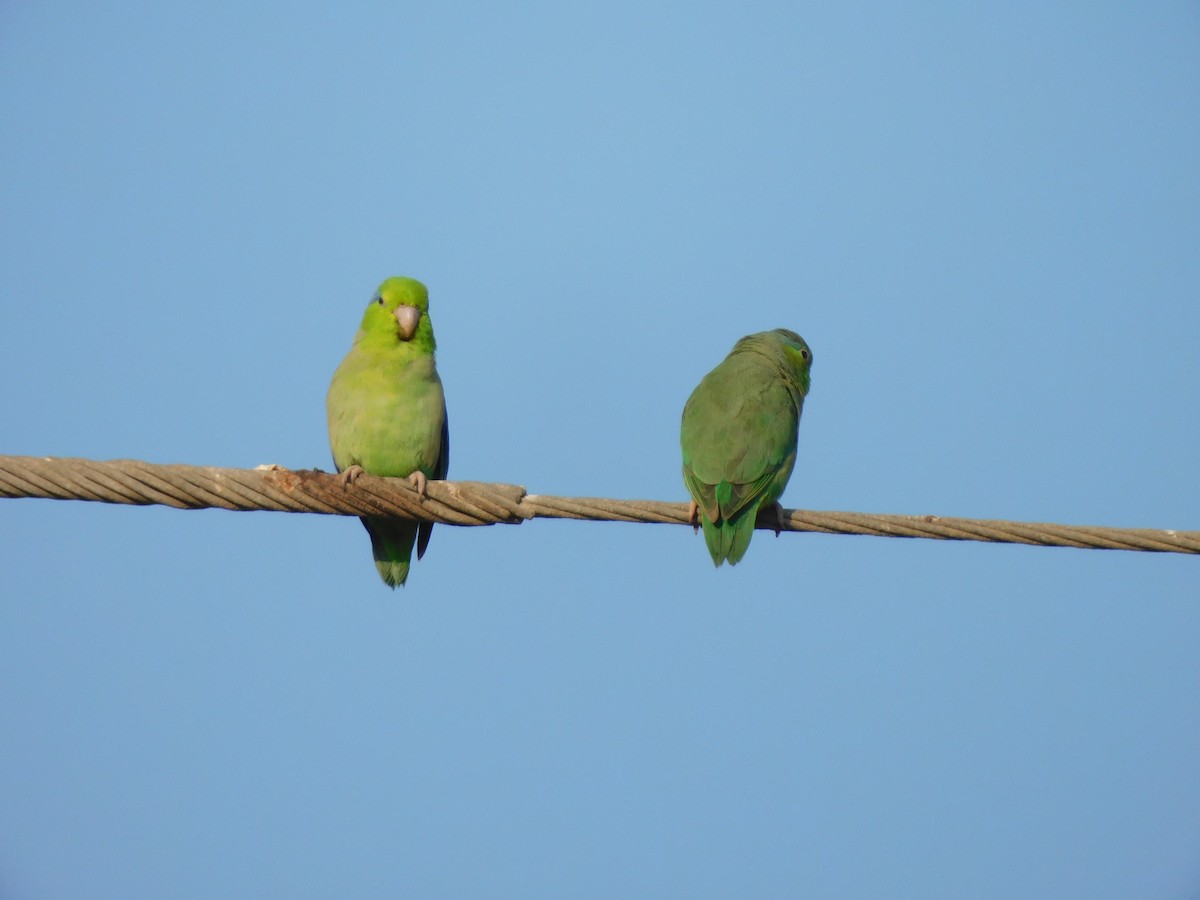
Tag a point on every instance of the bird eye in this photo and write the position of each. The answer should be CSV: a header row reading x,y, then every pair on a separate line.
x,y
804,353
379,300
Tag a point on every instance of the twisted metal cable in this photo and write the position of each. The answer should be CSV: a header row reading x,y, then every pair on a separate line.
x,y
479,503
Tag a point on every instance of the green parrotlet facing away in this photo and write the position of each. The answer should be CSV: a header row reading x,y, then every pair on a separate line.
x,y
739,437
387,413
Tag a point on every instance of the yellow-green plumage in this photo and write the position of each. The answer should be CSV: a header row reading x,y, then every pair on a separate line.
x,y
739,434
387,412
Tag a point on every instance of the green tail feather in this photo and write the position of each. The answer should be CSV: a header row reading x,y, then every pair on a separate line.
x,y
727,540
712,537
740,530
392,546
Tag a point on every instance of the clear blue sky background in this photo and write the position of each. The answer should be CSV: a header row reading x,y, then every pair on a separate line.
x,y
985,220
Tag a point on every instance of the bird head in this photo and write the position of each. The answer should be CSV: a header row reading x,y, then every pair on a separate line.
x,y
799,357
399,309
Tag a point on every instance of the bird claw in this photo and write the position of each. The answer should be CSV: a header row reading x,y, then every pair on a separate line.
x,y
694,516
779,521
419,482
416,479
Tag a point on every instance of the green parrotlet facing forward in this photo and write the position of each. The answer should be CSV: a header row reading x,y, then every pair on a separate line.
x,y
739,437
387,413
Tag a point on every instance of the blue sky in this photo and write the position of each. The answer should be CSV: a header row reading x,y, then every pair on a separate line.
x,y
984,220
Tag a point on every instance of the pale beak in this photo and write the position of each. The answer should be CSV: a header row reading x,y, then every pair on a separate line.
x,y
407,317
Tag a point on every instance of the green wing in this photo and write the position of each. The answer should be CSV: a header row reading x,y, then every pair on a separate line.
x,y
441,467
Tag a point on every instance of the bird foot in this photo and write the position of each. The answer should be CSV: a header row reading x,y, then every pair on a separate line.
x,y
417,480
694,516
779,521
350,473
